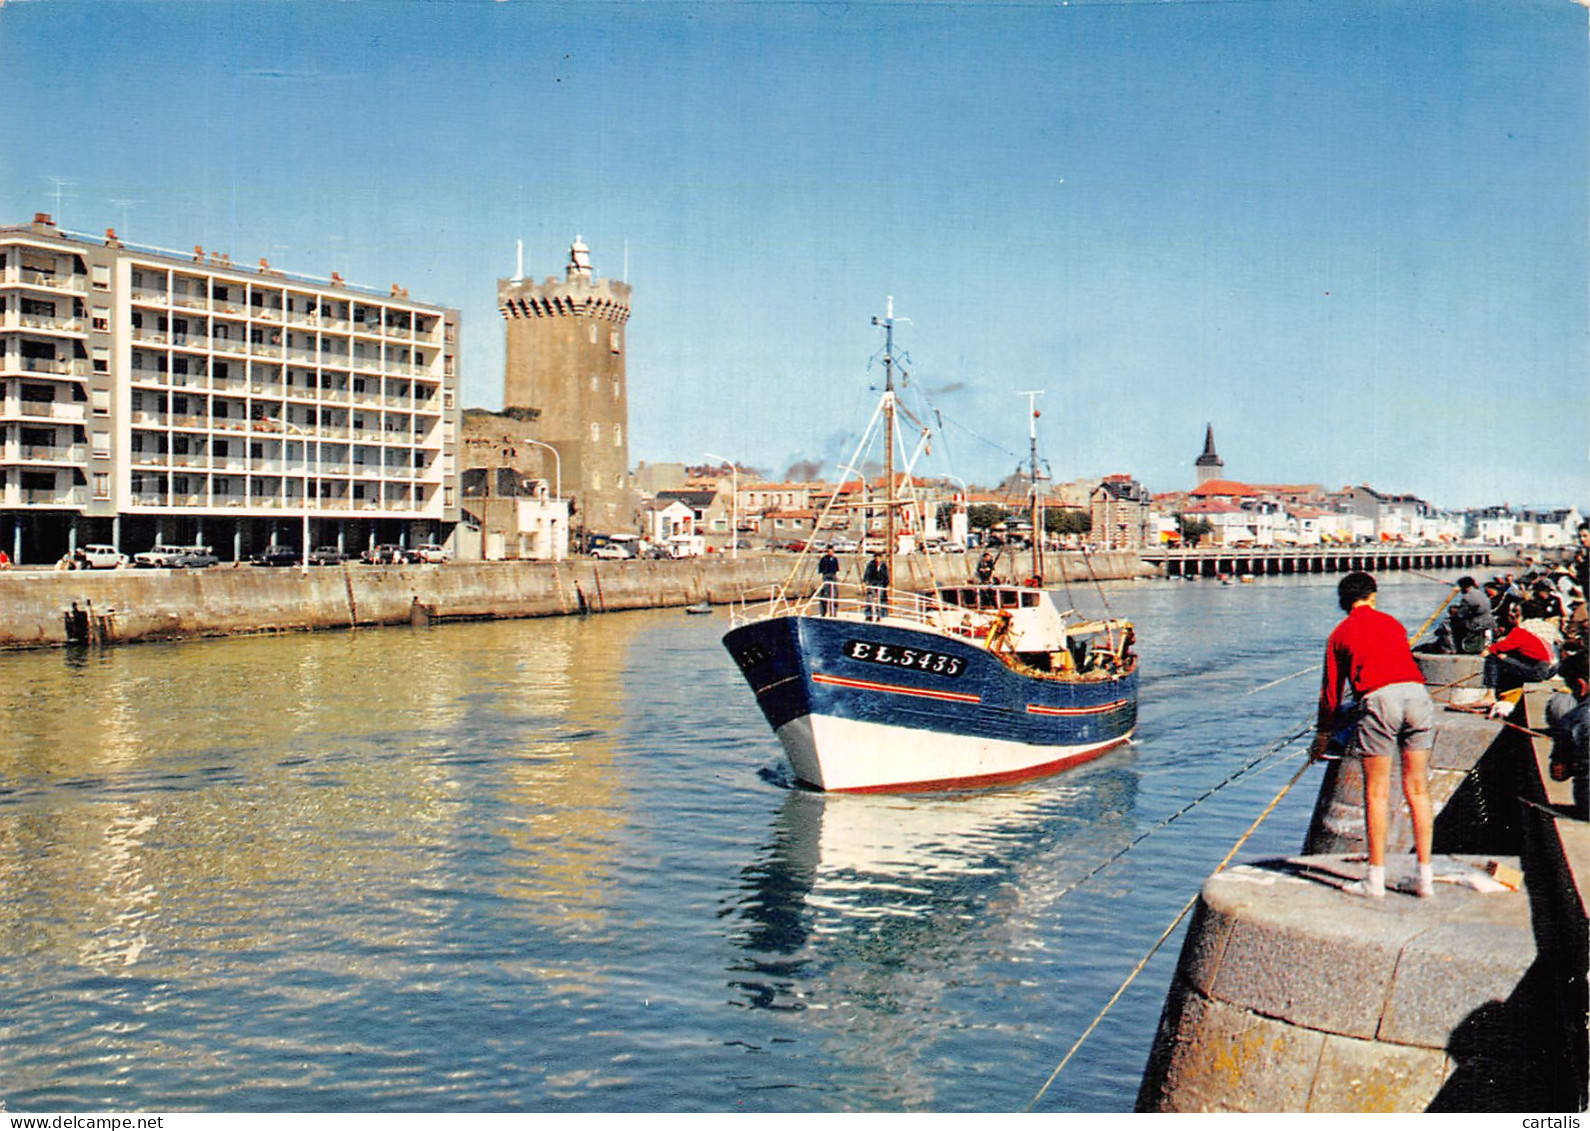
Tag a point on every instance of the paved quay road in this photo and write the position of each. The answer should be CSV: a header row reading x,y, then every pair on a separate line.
x,y
558,864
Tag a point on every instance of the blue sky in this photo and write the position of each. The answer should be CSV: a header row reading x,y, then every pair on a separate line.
x,y
1351,235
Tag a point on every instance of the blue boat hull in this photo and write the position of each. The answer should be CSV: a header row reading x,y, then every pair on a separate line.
x,y
873,706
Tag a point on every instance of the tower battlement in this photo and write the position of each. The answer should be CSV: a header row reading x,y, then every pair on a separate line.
x,y
607,299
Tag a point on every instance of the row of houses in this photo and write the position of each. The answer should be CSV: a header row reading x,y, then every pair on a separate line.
x,y
1123,515
1226,512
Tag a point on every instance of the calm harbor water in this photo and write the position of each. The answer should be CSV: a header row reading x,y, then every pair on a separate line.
x,y
558,865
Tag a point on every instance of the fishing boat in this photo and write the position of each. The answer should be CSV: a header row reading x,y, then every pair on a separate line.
x,y
872,689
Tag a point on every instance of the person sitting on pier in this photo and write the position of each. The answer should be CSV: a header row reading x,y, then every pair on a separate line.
x,y
1368,652
1568,720
1471,617
1522,655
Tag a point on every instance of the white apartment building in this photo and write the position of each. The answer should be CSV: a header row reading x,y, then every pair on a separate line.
x,y
150,396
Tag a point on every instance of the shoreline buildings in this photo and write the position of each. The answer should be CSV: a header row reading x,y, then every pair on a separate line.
x,y
150,396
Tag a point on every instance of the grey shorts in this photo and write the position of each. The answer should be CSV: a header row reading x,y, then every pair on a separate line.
x,y
1399,716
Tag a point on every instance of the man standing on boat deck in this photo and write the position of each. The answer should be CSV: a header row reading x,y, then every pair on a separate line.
x,y
828,570
1368,651
876,579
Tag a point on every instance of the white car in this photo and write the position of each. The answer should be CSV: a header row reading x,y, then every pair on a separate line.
x,y
611,553
161,556
98,556
430,552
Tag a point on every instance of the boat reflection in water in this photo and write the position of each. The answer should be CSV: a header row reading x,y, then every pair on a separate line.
x,y
875,915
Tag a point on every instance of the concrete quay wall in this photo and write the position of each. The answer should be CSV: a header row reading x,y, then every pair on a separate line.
x,y
131,605
1293,995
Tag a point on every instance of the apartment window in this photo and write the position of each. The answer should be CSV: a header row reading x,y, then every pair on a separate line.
x,y
612,340
101,399
101,361
101,320
101,485
101,445
101,277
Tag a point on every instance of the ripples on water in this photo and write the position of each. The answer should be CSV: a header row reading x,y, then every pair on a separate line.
x,y
558,865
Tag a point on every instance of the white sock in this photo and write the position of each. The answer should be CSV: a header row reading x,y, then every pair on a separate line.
x,y
1375,880
1426,879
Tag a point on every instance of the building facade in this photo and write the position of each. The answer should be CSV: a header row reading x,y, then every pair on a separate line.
x,y
1119,513
565,360
151,396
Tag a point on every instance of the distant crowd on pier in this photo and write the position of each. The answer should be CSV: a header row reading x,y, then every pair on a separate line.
x,y
1529,628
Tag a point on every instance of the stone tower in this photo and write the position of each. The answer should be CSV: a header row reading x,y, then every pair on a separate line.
x,y
1209,465
565,359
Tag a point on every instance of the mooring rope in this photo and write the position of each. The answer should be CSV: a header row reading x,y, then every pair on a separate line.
x,y
1174,923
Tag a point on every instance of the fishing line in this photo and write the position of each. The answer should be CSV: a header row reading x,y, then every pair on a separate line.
x,y
1283,679
1236,775
1174,923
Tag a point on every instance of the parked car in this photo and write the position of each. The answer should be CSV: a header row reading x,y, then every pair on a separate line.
x,y
277,556
843,546
97,556
384,554
160,556
430,552
195,557
326,555
612,552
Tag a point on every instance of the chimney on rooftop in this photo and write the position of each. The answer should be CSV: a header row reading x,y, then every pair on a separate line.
x,y
43,218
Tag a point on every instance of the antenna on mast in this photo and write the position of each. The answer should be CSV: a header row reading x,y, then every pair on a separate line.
x,y
518,274
1032,396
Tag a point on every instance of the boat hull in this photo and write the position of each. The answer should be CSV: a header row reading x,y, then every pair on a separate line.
x,y
862,706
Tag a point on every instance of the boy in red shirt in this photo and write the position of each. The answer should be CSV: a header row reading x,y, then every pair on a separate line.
x,y
1368,651
1519,657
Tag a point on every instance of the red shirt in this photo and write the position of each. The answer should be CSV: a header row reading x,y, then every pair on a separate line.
x,y
1369,650
1525,643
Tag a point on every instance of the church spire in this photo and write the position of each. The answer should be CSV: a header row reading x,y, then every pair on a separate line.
x,y
1209,465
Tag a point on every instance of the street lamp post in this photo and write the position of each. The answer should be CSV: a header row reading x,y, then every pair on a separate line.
x,y
734,507
303,550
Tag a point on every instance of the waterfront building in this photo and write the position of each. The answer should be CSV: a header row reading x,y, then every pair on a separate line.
x,y
1119,512
511,501
155,396
566,362
1209,465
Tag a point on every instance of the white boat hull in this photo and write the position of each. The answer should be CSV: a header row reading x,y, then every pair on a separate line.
x,y
859,755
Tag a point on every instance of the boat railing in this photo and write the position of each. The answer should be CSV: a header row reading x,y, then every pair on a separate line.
x,y
852,602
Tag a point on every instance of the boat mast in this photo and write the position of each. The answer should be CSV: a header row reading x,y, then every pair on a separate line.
x,y
1037,499
888,436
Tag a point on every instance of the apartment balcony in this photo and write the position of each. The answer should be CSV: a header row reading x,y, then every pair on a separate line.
x,y
148,296
68,411
265,313
263,349
37,497
45,453
15,320
17,276
190,301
